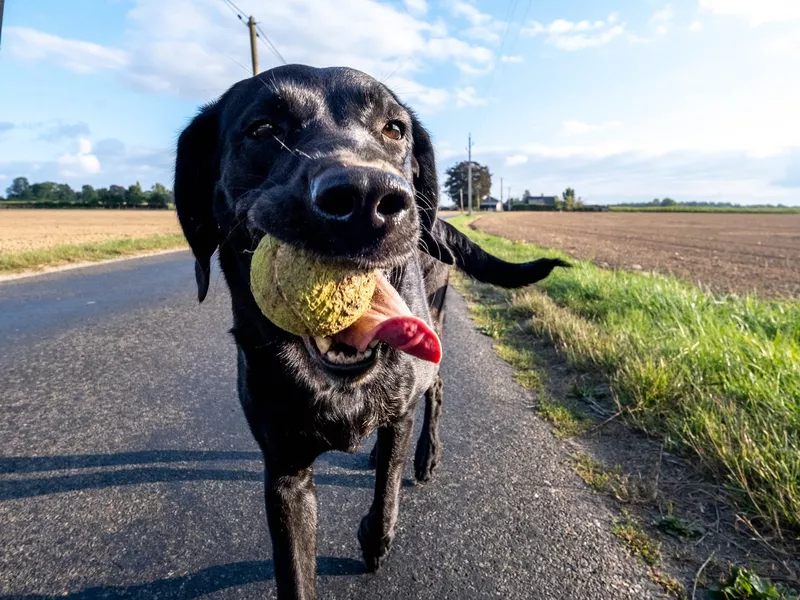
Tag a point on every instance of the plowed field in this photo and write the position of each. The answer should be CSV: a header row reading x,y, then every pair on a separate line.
x,y
726,252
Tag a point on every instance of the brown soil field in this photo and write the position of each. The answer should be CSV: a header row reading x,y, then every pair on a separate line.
x,y
725,252
34,229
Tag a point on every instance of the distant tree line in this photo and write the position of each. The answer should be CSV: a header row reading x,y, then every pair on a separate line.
x,y
48,194
697,204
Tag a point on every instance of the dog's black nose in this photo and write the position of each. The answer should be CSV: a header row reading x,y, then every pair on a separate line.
x,y
361,195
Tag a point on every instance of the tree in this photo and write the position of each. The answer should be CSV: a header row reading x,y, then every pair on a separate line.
x,y
526,196
114,196
159,197
88,195
19,189
668,202
65,194
134,196
569,199
559,203
457,181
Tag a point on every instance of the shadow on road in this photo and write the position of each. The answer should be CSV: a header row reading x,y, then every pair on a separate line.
x,y
35,464
200,583
12,489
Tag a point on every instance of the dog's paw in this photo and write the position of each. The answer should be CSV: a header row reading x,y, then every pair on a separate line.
x,y
374,547
426,458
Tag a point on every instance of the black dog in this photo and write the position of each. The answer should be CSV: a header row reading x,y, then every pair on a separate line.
x,y
328,160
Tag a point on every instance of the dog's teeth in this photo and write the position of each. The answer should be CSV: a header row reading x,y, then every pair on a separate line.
x,y
323,343
332,356
374,343
367,353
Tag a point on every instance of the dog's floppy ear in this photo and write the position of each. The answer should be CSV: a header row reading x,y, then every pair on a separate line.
x,y
426,188
196,174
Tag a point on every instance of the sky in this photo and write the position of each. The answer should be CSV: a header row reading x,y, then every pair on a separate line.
x,y
623,100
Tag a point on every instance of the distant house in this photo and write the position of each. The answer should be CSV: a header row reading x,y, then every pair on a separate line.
x,y
489,203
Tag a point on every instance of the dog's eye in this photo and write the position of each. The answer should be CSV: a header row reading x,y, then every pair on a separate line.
x,y
263,130
394,130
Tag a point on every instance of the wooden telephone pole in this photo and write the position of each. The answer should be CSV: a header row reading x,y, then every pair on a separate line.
x,y
469,174
251,24
2,2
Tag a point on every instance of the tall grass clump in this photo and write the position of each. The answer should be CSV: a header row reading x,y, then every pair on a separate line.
x,y
716,374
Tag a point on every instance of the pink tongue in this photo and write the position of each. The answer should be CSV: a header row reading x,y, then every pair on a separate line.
x,y
390,320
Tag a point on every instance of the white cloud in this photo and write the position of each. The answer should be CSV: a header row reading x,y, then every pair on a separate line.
x,y
484,27
467,96
418,95
617,174
511,59
470,13
662,20
417,7
516,159
696,27
82,163
197,48
756,12
75,55
785,45
577,35
580,128
664,15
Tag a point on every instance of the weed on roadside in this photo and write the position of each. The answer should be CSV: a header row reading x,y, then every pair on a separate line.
x,y
742,584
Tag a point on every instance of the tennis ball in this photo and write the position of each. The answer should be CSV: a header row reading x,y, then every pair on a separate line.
x,y
306,295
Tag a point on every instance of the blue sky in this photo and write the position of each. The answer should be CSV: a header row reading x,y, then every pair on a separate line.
x,y
624,100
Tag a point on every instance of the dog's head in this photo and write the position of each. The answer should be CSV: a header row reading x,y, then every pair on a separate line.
x,y
328,160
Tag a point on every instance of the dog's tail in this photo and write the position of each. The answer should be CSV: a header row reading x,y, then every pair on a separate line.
x,y
477,263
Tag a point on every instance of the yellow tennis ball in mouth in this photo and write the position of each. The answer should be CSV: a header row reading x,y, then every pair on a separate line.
x,y
306,295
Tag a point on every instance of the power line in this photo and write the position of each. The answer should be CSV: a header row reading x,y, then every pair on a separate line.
x,y
257,32
236,8
270,45
233,10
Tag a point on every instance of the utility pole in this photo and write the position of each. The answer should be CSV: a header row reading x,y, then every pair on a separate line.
x,y
469,174
251,24
461,195
2,2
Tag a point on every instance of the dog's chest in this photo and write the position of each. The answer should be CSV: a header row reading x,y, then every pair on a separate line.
x,y
344,418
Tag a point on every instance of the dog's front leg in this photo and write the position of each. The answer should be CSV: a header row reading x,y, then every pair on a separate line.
x,y
291,500
377,528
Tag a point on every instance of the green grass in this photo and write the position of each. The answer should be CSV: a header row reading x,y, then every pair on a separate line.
x,y
718,375
637,541
742,584
705,209
31,260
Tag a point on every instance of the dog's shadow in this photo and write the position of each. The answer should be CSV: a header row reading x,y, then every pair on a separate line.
x,y
131,468
157,470
202,582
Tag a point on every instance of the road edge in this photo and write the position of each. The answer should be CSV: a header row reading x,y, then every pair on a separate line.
x,y
84,264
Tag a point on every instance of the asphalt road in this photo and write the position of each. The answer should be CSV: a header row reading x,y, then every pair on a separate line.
x,y
127,471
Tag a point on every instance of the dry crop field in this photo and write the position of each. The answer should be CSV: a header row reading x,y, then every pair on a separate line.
x,y
726,252
36,229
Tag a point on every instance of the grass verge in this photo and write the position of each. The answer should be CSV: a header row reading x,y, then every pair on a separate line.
x,y
718,375
32,260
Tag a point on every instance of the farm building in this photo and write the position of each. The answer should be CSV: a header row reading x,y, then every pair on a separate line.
x,y
489,203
